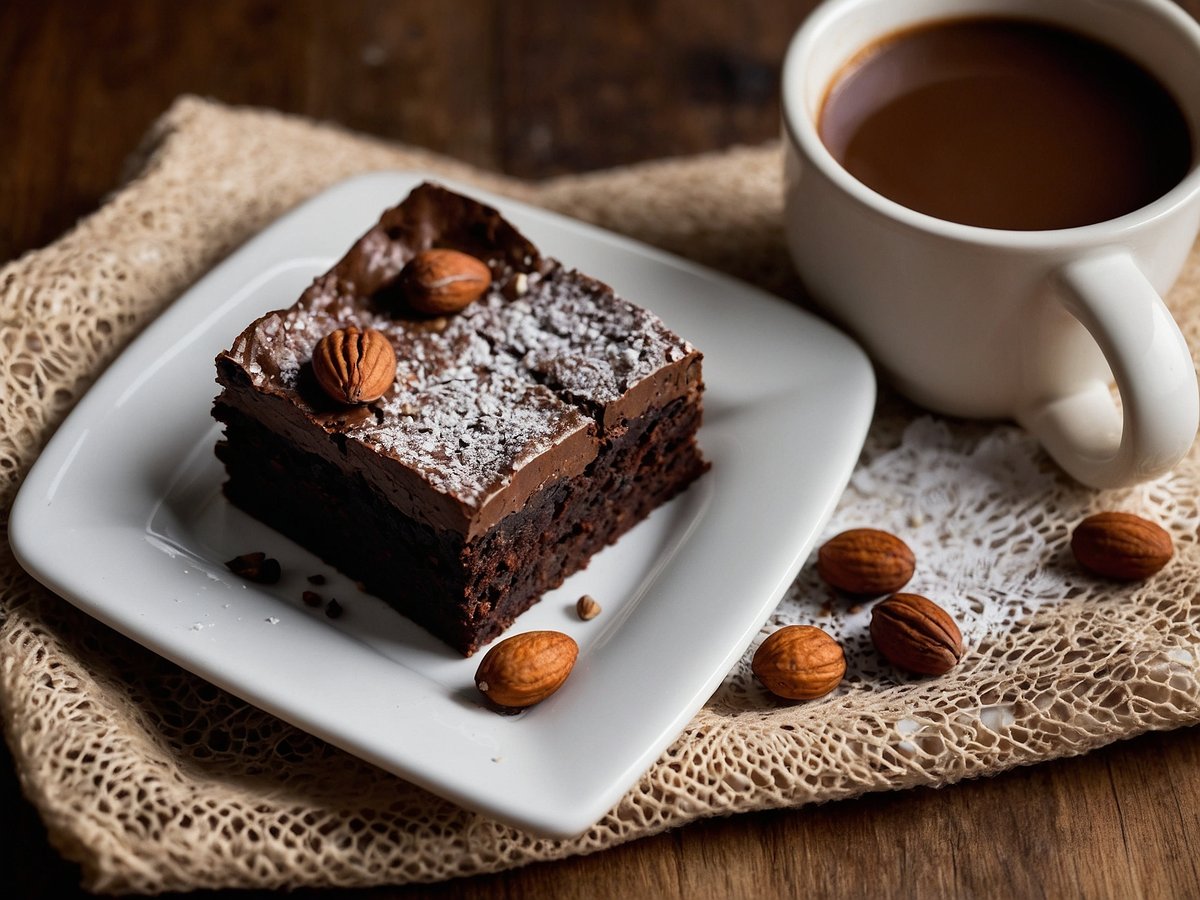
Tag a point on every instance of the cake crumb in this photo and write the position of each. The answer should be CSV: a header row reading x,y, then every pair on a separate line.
x,y
587,608
256,567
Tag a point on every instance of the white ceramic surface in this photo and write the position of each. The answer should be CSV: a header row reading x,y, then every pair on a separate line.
x,y
997,324
123,515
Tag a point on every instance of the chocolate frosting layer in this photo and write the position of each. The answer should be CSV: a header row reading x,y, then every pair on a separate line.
x,y
488,405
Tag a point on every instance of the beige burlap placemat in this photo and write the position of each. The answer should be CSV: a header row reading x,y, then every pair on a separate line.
x,y
154,780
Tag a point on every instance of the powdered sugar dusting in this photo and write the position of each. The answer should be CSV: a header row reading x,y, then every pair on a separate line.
x,y
468,436
379,257
574,334
462,414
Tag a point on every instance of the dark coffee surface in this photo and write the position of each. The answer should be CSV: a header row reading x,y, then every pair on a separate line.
x,y
1006,124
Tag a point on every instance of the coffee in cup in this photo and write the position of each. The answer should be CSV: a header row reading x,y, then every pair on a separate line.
x,y
983,280
1005,123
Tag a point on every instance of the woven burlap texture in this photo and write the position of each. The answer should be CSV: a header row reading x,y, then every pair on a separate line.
x,y
154,780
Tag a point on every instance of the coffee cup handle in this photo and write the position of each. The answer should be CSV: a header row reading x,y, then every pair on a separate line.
x,y
1084,431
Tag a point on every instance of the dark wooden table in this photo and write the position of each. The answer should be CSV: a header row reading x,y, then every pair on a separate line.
x,y
534,89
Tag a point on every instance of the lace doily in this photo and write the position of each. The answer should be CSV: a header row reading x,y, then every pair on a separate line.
x,y
155,780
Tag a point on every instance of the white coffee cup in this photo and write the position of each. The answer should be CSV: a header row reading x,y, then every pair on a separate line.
x,y
987,323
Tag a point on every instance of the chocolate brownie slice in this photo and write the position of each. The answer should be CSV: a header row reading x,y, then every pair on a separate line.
x,y
520,436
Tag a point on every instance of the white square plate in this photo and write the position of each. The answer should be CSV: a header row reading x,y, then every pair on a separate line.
x,y
123,515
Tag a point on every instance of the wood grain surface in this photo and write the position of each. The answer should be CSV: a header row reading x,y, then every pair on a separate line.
x,y
535,89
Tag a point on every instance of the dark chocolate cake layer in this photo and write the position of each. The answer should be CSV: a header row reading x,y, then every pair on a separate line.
x,y
520,436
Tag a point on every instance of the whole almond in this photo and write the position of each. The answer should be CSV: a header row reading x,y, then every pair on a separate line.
x,y
354,366
1121,545
441,282
799,662
866,561
526,668
915,634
